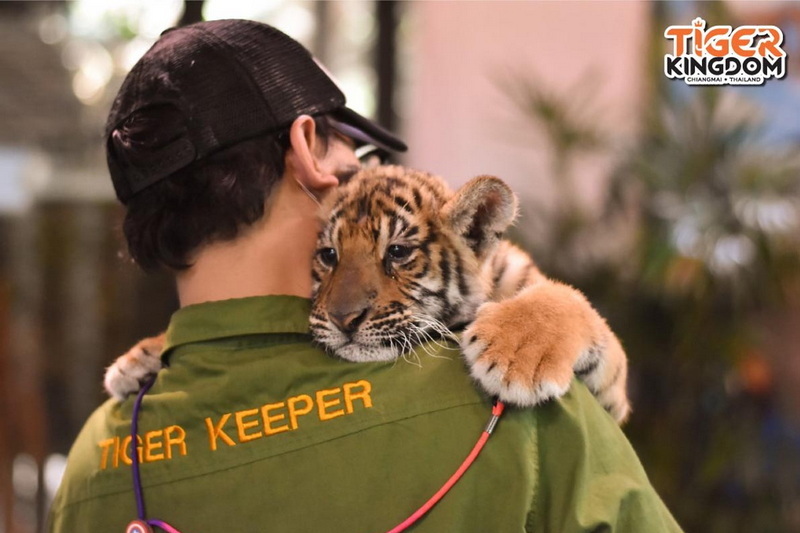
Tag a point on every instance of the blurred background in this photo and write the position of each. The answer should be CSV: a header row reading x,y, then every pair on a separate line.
x,y
675,208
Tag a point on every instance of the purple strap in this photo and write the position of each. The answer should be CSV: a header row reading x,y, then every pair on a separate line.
x,y
137,479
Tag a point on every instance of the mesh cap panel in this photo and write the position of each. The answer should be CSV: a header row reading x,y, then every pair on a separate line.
x,y
223,82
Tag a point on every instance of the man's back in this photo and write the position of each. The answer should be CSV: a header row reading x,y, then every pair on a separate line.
x,y
253,429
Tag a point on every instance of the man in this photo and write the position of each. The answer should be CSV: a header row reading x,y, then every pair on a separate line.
x,y
220,142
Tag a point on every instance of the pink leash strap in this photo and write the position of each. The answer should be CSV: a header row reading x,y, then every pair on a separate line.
x,y
145,526
497,410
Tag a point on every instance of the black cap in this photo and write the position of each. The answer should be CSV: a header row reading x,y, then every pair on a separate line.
x,y
212,84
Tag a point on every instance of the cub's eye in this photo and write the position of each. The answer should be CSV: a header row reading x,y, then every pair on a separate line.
x,y
398,252
328,256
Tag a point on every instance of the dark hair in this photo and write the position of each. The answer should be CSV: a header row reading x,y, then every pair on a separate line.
x,y
211,200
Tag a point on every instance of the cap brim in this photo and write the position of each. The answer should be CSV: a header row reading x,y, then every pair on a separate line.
x,y
350,123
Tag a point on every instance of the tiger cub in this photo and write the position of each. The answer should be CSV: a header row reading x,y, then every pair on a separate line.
x,y
401,259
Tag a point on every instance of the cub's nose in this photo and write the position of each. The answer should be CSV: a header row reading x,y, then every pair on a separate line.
x,y
348,322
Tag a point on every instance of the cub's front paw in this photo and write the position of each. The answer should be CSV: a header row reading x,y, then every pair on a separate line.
x,y
516,351
124,376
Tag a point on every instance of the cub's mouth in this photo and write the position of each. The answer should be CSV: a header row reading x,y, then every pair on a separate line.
x,y
360,353
374,341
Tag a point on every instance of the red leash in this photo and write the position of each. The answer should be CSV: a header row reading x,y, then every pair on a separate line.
x,y
497,410
142,525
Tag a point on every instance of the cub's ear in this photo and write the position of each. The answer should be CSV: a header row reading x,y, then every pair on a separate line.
x,y
481,211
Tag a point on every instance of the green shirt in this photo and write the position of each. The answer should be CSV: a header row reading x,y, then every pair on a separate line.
x,y
251,428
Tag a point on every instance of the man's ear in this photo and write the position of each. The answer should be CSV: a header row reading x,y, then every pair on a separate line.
x,y
480,212
302,157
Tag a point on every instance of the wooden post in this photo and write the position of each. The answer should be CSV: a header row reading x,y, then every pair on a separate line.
x,y
192,12
6,453
386,61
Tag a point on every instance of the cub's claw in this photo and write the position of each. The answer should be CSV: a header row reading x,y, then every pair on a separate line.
x,y
516,372
524,349
124,375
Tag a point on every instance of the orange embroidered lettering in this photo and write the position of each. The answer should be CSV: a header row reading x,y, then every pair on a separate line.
x,y
357,391
123,450
216,432
152,443
323,404
178,440
295,411
116,452
242,426
268,420
106,446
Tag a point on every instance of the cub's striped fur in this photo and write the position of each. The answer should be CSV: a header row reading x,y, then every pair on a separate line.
x,y
401,258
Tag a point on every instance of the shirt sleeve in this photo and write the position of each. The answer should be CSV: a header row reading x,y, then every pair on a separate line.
x,y
590,479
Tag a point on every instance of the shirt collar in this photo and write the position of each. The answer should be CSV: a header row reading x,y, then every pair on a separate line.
x,y
241,316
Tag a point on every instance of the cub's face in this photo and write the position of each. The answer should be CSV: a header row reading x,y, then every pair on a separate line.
x,y
394,264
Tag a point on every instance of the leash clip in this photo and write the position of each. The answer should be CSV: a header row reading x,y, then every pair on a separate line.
x,y
138,526
497,410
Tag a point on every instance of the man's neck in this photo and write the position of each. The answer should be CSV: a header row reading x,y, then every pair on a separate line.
x,y
271,257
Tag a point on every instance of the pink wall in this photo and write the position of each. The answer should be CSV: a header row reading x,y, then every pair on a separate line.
x,y
458,121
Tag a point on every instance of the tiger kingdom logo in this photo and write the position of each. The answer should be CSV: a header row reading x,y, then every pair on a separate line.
x,y
723,55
